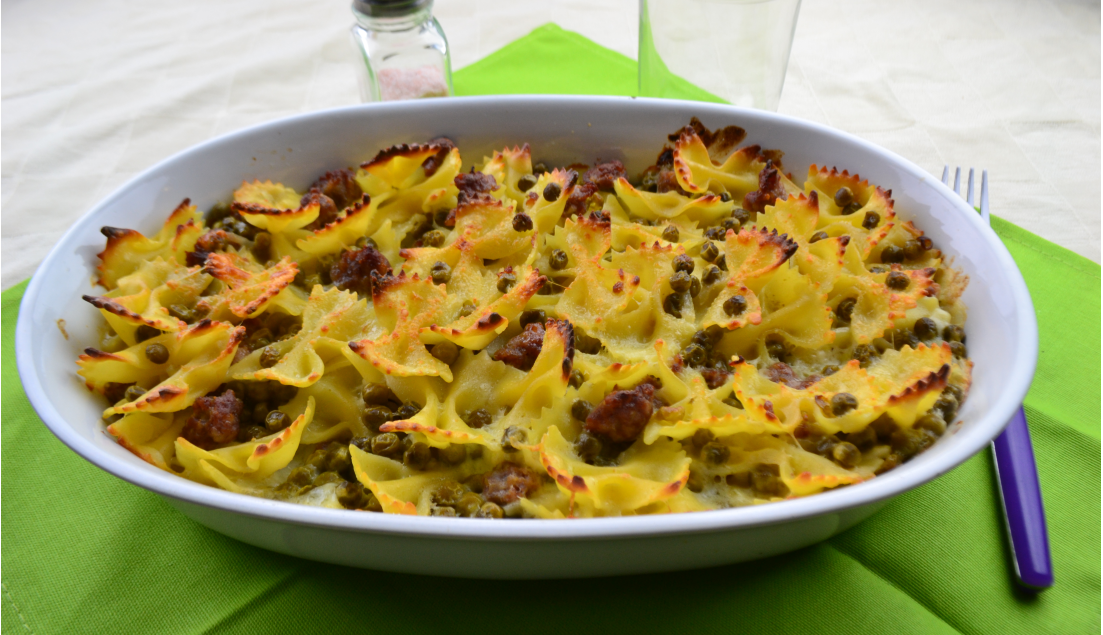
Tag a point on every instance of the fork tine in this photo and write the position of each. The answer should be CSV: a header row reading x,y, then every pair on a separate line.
x,y
946,175
984,196
969,197
957,181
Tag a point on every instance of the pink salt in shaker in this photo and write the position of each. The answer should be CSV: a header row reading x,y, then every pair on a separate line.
x,y
402,49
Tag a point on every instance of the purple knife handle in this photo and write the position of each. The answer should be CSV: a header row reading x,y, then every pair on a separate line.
x,y
1022,504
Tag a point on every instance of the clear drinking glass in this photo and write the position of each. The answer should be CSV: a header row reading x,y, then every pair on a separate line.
x,y
733,51
403,51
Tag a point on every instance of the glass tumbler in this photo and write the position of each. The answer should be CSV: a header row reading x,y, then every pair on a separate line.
x,y
733,51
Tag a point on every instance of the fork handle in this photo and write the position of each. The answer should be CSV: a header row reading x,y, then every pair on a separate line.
x,y
1022,503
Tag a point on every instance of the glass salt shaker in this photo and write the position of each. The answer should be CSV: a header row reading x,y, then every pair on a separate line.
x,y
402,49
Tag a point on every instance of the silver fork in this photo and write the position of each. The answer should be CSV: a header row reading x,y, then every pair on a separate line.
x,y
1016,470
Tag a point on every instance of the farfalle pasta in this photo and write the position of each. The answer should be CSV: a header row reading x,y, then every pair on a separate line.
x,y
518,340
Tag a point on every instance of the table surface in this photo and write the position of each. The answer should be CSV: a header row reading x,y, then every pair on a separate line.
x,y
94,93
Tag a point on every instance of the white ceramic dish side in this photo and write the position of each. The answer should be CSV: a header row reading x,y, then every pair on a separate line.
x,y
1002,335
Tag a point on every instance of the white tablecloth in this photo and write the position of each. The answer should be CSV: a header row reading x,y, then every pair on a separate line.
x,y
95,92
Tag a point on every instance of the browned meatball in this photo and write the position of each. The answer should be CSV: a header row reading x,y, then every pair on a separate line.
x,y
782,373
604,175
352,271
214,420
473,184
622,415
509,482
340,187
769,190
522,350
327,209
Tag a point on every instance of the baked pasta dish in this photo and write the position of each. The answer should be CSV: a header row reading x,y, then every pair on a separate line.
x,y
521,340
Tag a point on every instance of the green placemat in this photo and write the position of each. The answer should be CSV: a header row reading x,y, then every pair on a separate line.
x,y
86,552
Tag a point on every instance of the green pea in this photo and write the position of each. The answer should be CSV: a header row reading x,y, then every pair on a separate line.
x,y
865,354
735,305
842,403
454,454
375,416
741,215
506,282
157,353
672,304
552,192
711,275
387,444
946,406
925,328
181,312
695,483
932,422
467,309
714,233
270,356
776,348
909,442
913,250
440,272
577,378
446,352
478,418
588,447
892,254
490,510
681,281
448,512
581,409
766,480
817,237
338,457
526,182
447,493
468,504
433,238
851,209
715,453
846,454
513,438
134,393
276,420
701,437
725,197
583,343
710,252
406,410
843,196
897,280
303,475
731,224
953,333
671,234
558,259
377,394
695,286
417,456
145,332
683,262
694,355
533,316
